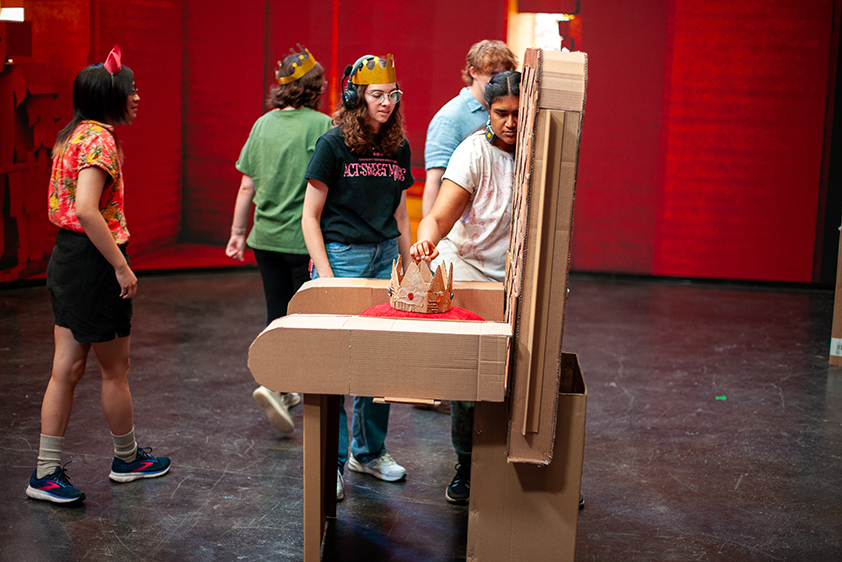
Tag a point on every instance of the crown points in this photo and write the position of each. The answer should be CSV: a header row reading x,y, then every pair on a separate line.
x,y
376,70
418,290
305,63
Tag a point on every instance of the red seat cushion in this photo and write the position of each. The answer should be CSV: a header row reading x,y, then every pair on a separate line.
x,y
455,313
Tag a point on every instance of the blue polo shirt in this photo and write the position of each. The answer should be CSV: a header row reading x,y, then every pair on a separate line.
x,y
457,119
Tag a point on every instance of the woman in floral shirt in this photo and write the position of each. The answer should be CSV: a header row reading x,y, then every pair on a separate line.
x,y
89,279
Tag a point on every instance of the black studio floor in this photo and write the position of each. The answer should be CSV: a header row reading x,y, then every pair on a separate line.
x,y
714,432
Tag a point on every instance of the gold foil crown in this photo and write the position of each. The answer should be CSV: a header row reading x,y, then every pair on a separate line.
x,y
418,290
305,63
376,70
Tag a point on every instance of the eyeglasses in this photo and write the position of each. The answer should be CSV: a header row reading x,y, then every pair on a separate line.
x,y
134,92
394,96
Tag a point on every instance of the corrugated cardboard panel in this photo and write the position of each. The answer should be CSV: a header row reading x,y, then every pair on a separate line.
x,y
540,249
338,296
301,353
353,296
365,356
522,511
463,358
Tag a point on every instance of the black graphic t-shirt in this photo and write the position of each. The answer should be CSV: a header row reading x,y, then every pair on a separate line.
x,y
363,191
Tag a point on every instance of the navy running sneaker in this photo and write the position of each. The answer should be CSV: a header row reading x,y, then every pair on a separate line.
x,y
54,487
144,465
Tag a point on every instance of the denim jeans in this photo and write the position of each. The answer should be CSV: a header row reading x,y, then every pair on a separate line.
x,y
370,421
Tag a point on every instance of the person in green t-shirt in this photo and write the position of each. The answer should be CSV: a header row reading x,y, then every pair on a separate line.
x,y
273,162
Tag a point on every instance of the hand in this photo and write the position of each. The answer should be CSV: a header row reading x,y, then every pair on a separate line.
x,y
236,246
128,282
423,250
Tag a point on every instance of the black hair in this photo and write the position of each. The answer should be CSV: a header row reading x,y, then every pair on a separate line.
x,y
501,85
98,96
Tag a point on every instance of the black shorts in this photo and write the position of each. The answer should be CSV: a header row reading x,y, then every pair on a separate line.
x,y
85,292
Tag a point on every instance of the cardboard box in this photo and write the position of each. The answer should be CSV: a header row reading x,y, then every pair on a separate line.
x,y
525,511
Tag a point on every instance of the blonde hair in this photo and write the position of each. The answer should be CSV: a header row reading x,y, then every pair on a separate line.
x,y
486,57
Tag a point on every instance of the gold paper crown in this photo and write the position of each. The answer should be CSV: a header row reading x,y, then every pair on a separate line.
x,y
376,71
305,63
418,290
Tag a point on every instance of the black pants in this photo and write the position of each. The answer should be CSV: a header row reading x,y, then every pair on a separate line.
x,y
283,274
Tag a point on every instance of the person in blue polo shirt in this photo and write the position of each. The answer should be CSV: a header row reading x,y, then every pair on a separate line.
x,y
462,115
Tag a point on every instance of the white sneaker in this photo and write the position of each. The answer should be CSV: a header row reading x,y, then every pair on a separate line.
x,y
276,409
340,486
383,467
291,400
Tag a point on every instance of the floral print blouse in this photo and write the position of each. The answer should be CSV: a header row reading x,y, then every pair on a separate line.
x,y
91,144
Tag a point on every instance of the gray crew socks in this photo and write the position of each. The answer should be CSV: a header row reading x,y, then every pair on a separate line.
x,y
125,446
49,455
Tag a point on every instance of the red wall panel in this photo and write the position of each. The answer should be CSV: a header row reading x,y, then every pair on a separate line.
x,y
744,139
67,35
620,158
223,95
149,34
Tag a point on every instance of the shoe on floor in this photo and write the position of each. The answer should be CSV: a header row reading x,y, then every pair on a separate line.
x,y
383,467
144,465
340,486
54,487
459,490
276,408
291,400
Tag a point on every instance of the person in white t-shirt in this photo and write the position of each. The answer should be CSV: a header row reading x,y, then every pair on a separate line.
x,y
476,190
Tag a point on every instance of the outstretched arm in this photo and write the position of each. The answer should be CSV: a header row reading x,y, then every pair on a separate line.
x,y
450,204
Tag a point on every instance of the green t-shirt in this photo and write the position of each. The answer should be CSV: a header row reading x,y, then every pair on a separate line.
x,y
275,156
363,191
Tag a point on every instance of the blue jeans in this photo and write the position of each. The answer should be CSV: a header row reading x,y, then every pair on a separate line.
x,y
370,421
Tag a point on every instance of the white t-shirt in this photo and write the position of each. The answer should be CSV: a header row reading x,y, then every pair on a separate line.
x,y
479,250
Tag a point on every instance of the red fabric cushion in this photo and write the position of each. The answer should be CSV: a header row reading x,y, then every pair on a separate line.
x,y
455,313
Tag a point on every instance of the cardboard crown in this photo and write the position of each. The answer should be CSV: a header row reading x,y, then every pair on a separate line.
x,y
418,290
306,63
376,71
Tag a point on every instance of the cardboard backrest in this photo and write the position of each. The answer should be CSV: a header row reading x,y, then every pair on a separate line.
x,y
552,104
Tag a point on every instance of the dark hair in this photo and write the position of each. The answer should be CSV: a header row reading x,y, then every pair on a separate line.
x,y
354,126
486,57
98,96
304,92
502,85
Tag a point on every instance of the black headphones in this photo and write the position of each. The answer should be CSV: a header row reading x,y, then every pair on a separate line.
x,y
349,91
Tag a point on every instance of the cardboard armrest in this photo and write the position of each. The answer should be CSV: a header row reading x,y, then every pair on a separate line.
x,y
353,296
